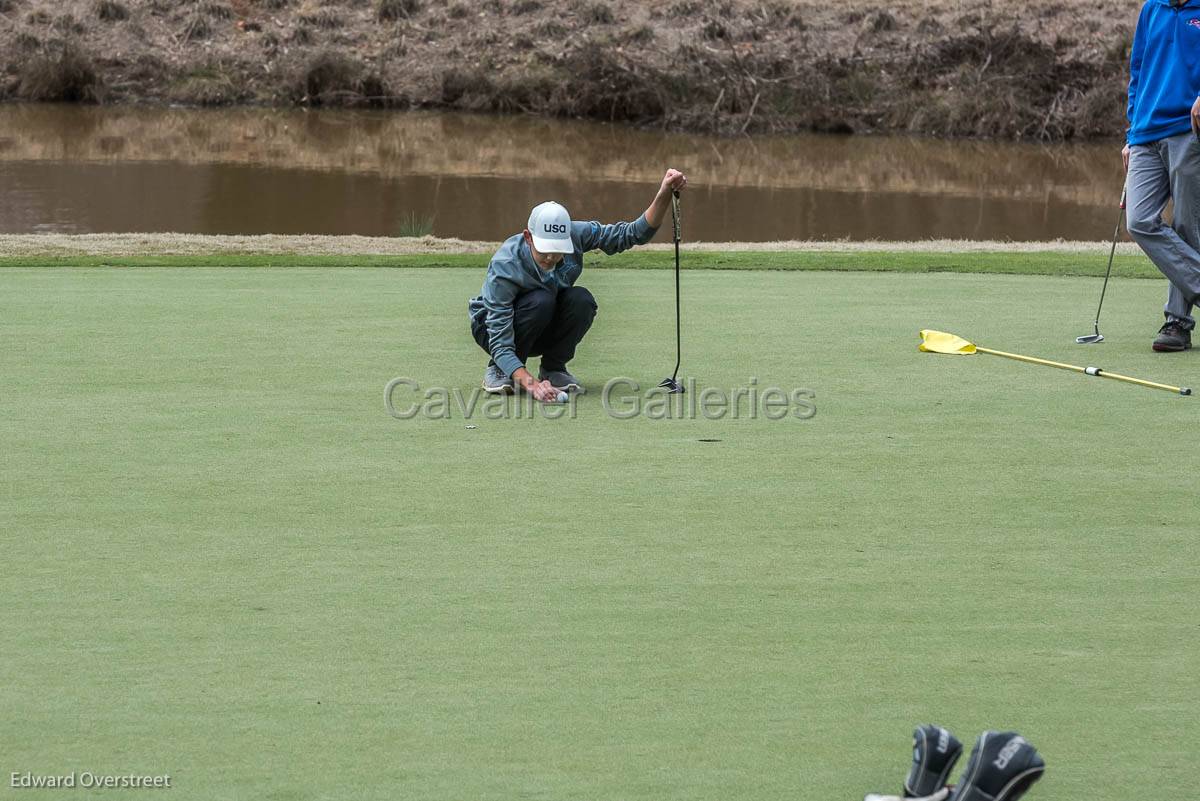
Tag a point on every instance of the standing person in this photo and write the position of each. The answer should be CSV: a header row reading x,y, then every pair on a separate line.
x,y
530,304
1162,155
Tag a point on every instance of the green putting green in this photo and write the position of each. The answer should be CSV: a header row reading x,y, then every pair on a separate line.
x,y
225,561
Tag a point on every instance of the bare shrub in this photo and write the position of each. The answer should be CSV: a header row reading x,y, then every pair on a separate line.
x,y
880,22
549,29
65,74
332,79
207,86
216,10
685,8
640,35
397,9
67,24
714,29
111,11
596,13
196,27
323,18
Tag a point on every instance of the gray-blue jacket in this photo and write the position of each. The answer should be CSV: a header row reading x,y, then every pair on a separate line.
x,y
513,272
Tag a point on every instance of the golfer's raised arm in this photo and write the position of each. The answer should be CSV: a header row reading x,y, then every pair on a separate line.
x,y
673,181
618,237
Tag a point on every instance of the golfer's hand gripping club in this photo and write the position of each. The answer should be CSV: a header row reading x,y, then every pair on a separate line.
x,y
672,183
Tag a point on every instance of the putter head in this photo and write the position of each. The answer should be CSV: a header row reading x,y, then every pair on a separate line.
x,y
1089,339
671,385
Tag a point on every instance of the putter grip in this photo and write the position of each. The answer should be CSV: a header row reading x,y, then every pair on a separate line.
x,y
675,221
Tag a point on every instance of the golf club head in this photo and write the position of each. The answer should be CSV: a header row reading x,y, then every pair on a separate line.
x,y
671,385
1089,339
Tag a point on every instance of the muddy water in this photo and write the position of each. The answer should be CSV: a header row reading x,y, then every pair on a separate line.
x,y
247,171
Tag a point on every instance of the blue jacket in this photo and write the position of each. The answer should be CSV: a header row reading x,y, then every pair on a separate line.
x,y
1164,71
513,272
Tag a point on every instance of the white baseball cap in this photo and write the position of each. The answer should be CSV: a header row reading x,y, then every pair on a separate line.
x,y
550,225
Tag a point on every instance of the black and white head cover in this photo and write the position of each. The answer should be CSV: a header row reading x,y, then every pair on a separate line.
x,y
935,750
1002,767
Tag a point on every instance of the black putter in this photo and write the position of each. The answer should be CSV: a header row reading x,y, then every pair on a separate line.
x,y
672,384
1090,339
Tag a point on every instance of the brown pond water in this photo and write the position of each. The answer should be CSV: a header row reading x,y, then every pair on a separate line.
x,y
69,169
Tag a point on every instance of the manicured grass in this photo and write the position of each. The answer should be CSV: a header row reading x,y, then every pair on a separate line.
x,y
225,561
1048,263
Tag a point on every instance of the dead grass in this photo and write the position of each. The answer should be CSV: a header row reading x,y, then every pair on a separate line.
x,y
323,19
331,78
1018,69
211,85
414,225
111,11
194,244
197,26
63,73
27,41
215,10
595,13
397,9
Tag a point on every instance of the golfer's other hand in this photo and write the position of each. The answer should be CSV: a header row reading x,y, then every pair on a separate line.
x,y
1125,157
673,181
544,392
1196,118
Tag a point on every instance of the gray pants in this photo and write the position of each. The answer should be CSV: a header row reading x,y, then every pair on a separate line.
x,y
1160,171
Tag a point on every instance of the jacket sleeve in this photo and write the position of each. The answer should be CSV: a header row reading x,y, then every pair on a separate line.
x,y
499,295
1136,52
614,238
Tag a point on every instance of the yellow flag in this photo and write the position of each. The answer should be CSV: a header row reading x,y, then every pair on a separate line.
x,y
941,342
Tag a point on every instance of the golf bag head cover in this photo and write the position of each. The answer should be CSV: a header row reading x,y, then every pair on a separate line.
x,y
1002,767
935,750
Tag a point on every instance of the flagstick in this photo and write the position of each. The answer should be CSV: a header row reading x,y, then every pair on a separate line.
x,y
1093,371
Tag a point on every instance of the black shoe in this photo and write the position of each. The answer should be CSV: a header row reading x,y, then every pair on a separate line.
x,y
1172,337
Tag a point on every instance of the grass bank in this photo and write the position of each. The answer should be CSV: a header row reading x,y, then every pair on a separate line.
x,y
1005,263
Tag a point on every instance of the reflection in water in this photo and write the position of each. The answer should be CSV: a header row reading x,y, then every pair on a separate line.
x,y
74,169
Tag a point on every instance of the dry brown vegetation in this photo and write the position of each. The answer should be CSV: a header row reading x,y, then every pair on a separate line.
x,y
62,245
1041,69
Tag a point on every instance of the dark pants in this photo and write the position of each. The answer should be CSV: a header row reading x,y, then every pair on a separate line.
x,y
547,325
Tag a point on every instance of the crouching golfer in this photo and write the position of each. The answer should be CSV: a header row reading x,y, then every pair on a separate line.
x,y
530,304
1162,156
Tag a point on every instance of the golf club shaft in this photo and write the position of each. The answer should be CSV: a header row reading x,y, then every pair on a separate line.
x,y
1111,254
1093,371
678,324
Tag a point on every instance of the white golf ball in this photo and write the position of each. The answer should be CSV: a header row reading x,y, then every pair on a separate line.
x,y
562,397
